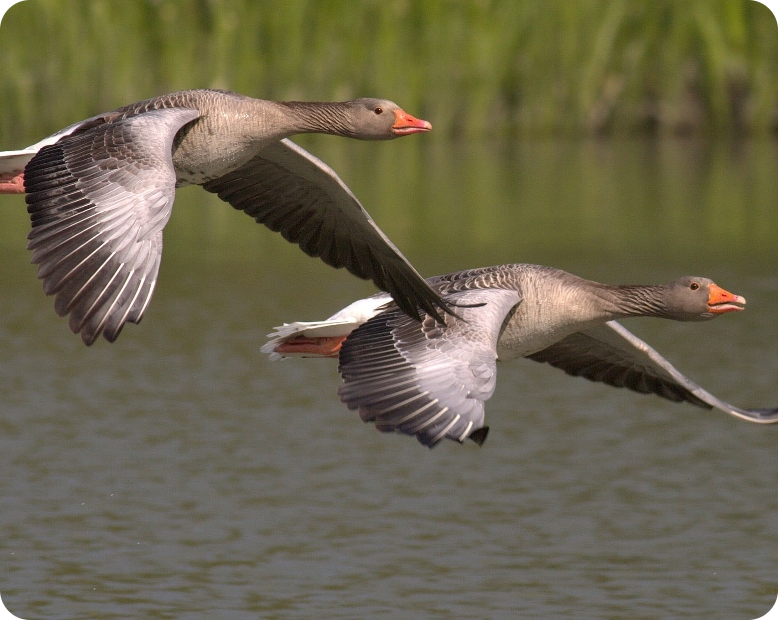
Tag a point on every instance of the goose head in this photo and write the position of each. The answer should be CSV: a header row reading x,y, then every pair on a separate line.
x,y
691,298
381,119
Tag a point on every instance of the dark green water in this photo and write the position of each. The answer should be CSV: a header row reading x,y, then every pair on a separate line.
x,y
178,474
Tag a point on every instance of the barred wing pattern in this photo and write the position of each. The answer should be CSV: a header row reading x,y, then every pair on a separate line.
x,y
15,161
612,354
98,200
294,193
425,379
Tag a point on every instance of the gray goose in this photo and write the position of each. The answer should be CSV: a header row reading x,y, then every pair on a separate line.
x,y
99,193
432,380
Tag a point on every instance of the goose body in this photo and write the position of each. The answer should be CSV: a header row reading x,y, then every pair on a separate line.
x,y
431,380
100,192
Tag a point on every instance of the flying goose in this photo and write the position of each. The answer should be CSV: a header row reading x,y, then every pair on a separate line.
x,y
100,192
432,380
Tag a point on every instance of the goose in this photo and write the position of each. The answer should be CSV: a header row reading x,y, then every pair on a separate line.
x,y
100,192
431,380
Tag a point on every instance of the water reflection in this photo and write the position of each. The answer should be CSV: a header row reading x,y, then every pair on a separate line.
x,y
177,470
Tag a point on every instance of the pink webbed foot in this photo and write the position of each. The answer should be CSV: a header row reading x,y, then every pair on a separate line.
x,y
314,347
12,183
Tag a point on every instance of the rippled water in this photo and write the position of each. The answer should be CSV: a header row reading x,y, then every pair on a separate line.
x,y
178,474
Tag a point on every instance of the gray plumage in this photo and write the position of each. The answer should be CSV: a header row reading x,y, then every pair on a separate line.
x,y
412,378
431,380
100,192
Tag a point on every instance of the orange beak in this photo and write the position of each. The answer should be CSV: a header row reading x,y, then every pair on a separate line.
x,y
721,301
406,124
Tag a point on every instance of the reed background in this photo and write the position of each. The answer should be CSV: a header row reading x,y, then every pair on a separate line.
x,y
478,67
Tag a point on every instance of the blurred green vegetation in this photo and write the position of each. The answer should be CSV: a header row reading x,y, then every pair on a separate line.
x,y
473,67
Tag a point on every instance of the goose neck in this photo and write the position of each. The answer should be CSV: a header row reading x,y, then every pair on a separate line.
x,y
634,300
318,117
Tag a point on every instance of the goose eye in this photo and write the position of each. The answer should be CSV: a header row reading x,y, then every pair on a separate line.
x,y
694,286
379,110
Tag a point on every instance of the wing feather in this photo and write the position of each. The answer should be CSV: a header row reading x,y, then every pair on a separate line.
x,y
424,379
612,354
98,200
294,193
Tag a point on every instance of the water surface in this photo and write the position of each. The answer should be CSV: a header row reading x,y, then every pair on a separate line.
x,y
179,474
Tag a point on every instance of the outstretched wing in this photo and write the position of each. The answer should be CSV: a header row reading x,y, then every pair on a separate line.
x,y
294,193
612,354
425,379
98,200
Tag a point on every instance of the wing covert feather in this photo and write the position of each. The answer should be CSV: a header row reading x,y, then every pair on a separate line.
x,y
425,379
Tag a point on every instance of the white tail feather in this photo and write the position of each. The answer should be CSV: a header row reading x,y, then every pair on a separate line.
x,y
341,323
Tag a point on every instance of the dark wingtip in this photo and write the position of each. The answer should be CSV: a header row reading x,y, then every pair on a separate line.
x,y
88,338
769,415
448,307
479,435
